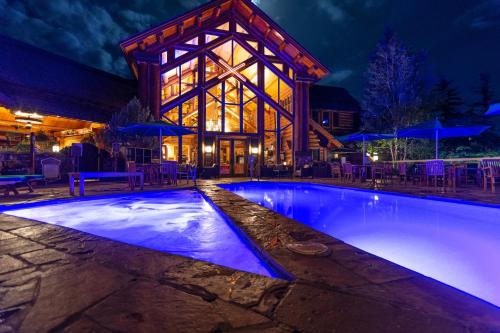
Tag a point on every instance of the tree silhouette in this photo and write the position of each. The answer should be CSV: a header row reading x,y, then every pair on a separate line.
x,y
393,87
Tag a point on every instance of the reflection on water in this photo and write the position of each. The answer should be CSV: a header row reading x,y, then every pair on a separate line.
x,y
179,222
457,244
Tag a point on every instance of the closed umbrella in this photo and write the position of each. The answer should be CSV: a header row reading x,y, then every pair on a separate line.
x,y
433,129
493,110
156,128
364,137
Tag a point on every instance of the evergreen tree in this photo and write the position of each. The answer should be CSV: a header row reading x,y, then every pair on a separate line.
x,y
445,100
392,92
485,94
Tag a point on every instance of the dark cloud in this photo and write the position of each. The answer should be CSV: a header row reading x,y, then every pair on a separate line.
x,y
460,36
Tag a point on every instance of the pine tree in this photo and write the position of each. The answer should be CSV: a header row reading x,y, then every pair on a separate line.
x,y
485,96
445,100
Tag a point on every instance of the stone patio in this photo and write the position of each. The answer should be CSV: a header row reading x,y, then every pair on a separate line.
x,y
55,279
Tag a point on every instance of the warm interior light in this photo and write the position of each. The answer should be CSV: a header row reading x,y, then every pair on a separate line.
x,y
28,118
375,157
284,163
56,148
255,150
208,149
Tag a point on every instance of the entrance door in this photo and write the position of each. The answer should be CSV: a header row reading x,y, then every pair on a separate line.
x,y
240,158
233,157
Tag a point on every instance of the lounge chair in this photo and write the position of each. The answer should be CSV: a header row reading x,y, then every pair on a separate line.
x,y
11,182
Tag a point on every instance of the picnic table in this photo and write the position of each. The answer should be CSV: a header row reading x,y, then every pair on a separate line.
x,y
82,176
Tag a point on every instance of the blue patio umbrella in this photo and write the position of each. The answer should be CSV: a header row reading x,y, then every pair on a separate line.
x,y
156,128
433,129
364,137
493,110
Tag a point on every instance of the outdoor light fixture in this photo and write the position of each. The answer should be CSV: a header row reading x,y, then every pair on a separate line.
x,y
208,149
56,148
375,157
28,118
255,150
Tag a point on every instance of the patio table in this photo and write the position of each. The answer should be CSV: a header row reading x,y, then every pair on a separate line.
x,y
82,176
10,182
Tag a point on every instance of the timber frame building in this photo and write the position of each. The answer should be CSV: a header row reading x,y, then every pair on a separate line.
x,y
233,76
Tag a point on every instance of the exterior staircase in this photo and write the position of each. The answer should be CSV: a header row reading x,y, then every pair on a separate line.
x,y
321,139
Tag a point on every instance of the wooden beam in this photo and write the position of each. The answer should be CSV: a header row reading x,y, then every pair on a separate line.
x,y
180,28
252,18
217,11
282,46
268,31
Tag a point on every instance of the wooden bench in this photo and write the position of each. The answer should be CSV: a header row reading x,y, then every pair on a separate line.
x,y
81,176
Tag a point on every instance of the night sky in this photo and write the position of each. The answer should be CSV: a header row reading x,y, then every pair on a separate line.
x,y
461,37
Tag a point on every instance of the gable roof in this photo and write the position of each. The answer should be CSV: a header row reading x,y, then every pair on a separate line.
x,y
32,79
260,23
332,98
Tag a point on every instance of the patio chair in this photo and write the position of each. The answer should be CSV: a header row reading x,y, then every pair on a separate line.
x,y
403,172
131,167
51,169
388,170
435,170
336,170
378,172
348,172
491,176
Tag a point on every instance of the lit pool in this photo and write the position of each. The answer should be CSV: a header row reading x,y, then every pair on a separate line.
x,y
455,243
180,222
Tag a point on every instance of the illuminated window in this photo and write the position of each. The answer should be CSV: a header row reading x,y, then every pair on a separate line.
x,y
172,115
224,52
271,84
212,70
270,118
247,94
240,29
268,52
189,75
254,45
189,112
278,66
209,38
193,41
224,27
232,91
179,80
213,121
232,53
250,116
290,73
278,90
232,118
179,53
286,96
164,57
170,85
251,74
170,148
190,148
286,140
270,148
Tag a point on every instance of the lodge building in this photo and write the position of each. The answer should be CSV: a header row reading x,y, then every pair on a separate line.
x,y
225,70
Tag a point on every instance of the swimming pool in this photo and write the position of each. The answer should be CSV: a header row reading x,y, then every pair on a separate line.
x,y
455,243
180,222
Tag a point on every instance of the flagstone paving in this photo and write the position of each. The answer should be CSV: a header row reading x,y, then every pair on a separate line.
x,y
55,279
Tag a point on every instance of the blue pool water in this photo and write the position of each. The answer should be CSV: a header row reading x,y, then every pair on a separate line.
x,y
180,222
455,243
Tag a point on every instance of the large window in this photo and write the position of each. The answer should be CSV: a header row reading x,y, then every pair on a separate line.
x,y
179,80
278,90
278,137
232,53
